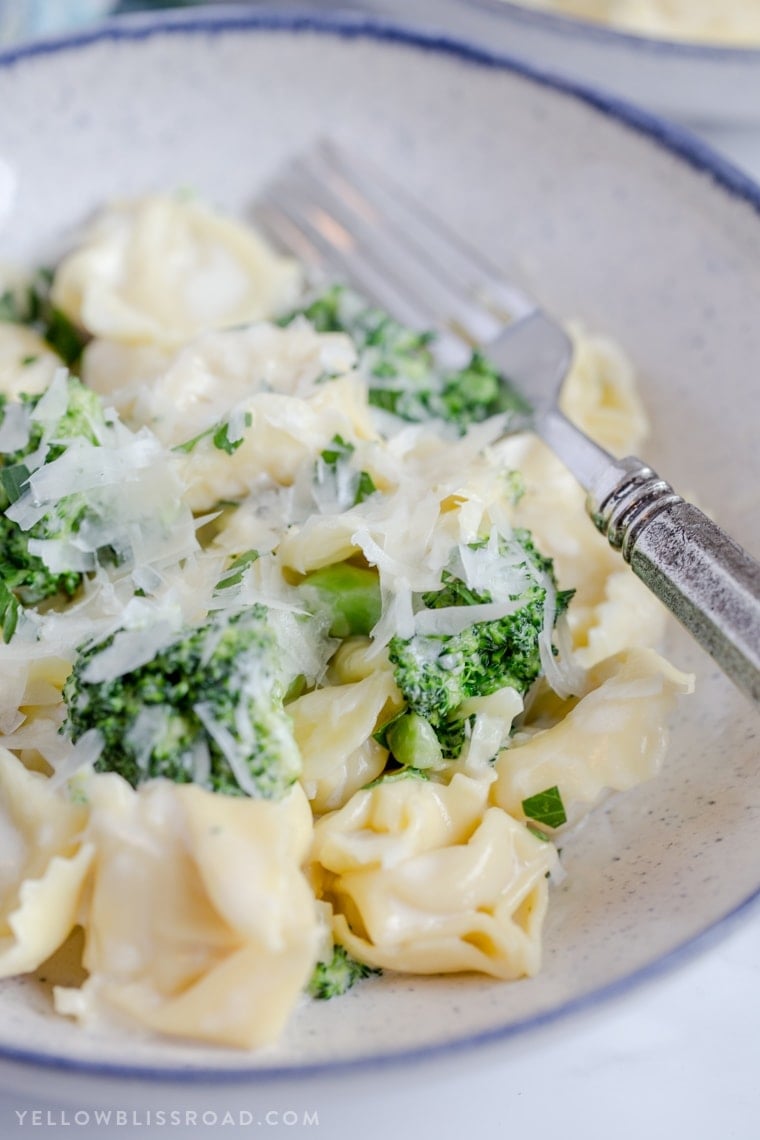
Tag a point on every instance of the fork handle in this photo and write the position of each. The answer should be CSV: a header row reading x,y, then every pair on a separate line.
x,y
709,582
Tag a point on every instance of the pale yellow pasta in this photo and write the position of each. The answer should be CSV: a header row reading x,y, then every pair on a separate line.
x,y
357,658
426,878
626,614
323,541
201,922
204,914
182,394
43,867
384,825
27,363
31,711
278,435
600,394
611,609
159,270
613,738
333,728
118,371
719,21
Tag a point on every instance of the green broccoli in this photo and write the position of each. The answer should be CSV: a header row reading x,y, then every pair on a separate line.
x,y
333,978
31,305
206,709
350,595
438,672
25,576
400,365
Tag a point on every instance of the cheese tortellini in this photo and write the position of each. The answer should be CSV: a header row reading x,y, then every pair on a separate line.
x,y
427,878
27,363
201,922
161,270
728,22
44,863
207,914
611,739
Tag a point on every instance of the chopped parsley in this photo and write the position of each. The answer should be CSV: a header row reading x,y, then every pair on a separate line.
x,y
546,808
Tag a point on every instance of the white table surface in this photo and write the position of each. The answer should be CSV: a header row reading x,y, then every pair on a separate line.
x,y
677,1058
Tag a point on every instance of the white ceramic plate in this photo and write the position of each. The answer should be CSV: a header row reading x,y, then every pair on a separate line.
x,y
609,217
702,84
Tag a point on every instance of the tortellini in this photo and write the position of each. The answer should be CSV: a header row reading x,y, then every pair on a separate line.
x,y
203,915
333,728
729,22
275,436
201,922
44,863
612,739
182,394
600,394
427,878
27,363
160,270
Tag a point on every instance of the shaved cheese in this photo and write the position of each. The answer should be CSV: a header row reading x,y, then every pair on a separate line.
x,y
128,651
83,754
14,428
450,620
128,501
230,748
52,405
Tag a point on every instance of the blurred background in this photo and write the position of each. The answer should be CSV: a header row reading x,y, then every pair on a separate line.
x,y
710,86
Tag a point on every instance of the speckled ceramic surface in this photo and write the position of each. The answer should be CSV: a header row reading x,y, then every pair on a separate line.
x,y
611,221
695,82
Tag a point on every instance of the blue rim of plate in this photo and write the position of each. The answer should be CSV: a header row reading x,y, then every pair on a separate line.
x,y
231,19
606,36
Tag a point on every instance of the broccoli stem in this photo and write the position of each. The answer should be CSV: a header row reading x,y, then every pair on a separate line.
x,y
350,595
414,743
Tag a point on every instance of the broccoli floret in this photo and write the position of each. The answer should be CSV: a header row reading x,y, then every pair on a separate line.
x,y
206,709
333,978
437,672
400,366
31,305
26,578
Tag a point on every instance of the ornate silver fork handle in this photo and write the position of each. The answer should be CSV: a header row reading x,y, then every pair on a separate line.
x,y
704,578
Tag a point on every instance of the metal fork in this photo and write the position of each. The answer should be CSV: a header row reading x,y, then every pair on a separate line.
x,y
341,215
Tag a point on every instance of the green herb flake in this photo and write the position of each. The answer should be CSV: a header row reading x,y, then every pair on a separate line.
x,y
340,449
537,833
365,487
9,612
233,575
546,808
221,436
190,444
13,480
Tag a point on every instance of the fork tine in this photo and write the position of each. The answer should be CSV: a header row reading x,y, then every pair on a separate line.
x,y
460,268
300,210
350,221
305,228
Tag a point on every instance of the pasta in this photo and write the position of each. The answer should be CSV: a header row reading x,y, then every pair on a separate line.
x,y
730,22
429,879
171,939
306,665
